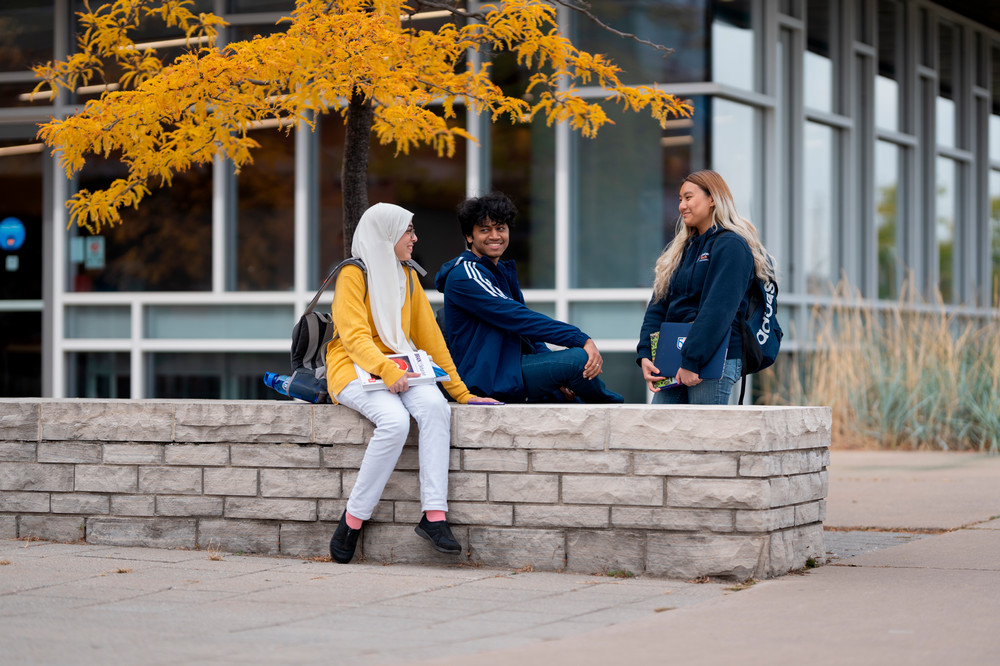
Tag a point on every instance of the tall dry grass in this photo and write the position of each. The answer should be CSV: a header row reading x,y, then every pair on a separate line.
x,y
911,376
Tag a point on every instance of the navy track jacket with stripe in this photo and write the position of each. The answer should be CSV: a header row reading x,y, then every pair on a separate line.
x,y
489,326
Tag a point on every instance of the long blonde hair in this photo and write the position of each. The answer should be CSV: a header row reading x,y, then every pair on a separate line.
x,y
724,215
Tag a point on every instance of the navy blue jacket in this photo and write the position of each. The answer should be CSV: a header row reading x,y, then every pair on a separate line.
x,y
709,288
489,326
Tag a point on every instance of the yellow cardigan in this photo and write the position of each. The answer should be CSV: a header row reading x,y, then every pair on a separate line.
x,y
359,342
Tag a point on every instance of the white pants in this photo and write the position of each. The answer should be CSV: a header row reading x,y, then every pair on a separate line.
x,y
390,412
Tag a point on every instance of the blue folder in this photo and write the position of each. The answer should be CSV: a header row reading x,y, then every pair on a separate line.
x,y
668,352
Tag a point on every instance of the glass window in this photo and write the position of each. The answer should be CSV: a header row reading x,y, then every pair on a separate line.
x,y
818,65
862,21
98,321
734,47
625,195
926,39
623,376
735,151
98,375
261,5
237,376
680,26
887,170
20,354
522,165
608,319
944,228
265,215
425,184
946,111
20,220
218,321
994,122
890,22
995,238
819,199
164,245
26,35
245,33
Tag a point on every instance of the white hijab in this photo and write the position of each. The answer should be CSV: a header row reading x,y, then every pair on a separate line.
x,y
374,243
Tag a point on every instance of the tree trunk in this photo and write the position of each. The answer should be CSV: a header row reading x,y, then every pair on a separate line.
x,y
354,170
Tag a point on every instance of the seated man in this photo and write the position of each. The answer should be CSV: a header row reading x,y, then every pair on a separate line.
x,y
496,341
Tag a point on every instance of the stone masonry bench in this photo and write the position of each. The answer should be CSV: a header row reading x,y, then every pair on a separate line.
x,y
679,492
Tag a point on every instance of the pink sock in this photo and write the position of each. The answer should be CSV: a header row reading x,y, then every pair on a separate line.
x,y
352,522
434,516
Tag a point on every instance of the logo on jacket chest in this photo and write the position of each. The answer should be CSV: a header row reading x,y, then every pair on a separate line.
x,y
702,257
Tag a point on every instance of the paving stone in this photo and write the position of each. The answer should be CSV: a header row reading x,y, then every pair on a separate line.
x,y
107,478
235,536
84,503
270,509
36,476
24,501
230,481
531,427
172,480
133,453
543,550
69,452
107,420
150,532
17,451
243,421
167,505
609,490
19,420
691,556
51,528
196,454
300,483
604,551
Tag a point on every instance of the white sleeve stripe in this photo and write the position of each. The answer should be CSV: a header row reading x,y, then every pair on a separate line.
x,y
473,273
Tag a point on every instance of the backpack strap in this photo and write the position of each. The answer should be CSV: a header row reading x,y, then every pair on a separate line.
x,y
332,278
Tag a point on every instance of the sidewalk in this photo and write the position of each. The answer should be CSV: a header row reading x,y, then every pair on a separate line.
x,y
894,597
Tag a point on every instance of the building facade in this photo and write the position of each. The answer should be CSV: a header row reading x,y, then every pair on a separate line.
x,y
862,137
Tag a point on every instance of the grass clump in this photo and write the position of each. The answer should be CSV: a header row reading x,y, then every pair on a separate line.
x,y
911,375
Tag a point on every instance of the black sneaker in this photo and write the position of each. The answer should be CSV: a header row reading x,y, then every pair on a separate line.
x,y
440,536
344,541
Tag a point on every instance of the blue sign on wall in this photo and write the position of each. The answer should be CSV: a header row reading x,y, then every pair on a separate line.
x,y
11,234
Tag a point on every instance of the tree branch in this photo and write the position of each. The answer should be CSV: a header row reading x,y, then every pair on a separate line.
x,y
582,7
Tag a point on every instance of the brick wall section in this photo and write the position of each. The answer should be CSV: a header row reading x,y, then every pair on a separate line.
x,y
680,492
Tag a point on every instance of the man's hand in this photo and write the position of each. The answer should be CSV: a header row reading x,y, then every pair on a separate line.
x,y
595,363
476,400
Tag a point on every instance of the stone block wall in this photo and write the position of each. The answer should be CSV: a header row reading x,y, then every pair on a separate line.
x,y
679,492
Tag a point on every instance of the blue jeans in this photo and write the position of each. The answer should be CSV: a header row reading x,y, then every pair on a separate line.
x,y
708,392
544,373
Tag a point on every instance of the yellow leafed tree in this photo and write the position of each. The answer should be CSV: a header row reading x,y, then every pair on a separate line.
x,y
360,58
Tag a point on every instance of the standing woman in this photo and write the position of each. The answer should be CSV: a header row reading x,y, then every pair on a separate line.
x,y
377,313
702,278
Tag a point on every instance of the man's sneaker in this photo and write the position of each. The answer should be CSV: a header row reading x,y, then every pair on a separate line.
x,y
344,541
440,536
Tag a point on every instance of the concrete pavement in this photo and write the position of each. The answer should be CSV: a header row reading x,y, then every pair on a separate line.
x,y
887,597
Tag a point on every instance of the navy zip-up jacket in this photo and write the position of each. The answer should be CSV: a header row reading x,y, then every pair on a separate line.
x,y
488,322
709,289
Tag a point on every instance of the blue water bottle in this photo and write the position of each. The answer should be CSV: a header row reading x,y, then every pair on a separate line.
x,y
278,382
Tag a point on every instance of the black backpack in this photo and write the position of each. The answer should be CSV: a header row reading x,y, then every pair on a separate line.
x,y
311,335
761,331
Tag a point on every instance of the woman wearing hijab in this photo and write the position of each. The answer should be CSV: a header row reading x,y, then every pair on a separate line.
x,y
376,313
